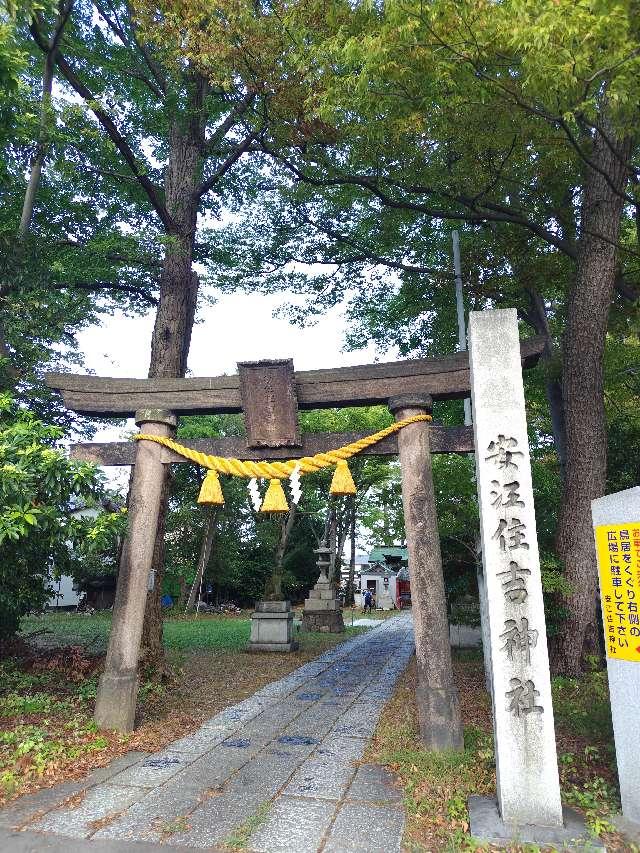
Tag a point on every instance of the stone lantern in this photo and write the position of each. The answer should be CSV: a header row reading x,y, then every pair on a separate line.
x,y
322,609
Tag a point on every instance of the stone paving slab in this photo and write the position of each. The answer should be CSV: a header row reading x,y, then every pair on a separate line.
x,y
200,742
35,842
25,809
146,819
321,780
98,804
375,784
211,770
293,826
277,716
265,775
215,819
366,828
153,771
102,774
283,762
21,811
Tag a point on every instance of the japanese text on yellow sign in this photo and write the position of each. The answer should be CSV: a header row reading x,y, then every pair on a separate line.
x,y
618,548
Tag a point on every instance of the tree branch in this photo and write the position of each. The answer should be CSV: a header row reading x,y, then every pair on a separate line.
x,y
105,285
152,191
366,254
486,212
229,122
224,167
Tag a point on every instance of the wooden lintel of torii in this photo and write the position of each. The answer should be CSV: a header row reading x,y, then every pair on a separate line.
x,y
366,385
457,439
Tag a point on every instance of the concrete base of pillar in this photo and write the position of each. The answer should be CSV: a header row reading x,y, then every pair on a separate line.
x,y
485,824
627,827
439,716
116,701
293,646
272,627
324,621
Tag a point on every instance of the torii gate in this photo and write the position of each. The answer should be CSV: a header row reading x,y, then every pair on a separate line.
x,y
269,394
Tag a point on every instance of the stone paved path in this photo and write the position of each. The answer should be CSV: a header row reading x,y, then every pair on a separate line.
x,y
276,773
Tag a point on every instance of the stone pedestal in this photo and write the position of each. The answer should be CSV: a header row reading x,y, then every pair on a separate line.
x,y
272,627
485,823
322,609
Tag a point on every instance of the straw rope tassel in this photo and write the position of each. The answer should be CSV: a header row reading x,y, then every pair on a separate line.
x,y
274,499
211,491
342,483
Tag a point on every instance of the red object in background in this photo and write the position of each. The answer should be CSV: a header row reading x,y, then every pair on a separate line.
x,y
403,594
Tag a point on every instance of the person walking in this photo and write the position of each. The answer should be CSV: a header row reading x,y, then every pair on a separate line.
x,y
368,600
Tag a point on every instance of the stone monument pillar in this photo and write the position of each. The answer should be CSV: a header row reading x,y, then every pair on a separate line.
x,y
436,694
385,600
322,609
528,802
616,521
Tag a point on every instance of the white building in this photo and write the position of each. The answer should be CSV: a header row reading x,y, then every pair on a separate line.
x,y
381,580
64,593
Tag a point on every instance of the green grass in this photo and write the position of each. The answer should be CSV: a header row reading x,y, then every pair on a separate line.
x,y
92,632
241,834
583,704
204,632
63,629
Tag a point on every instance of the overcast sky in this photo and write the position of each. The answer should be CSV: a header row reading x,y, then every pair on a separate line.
x,y
239,327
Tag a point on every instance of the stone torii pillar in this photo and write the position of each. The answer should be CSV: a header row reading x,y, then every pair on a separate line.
x,y
118,687
436,695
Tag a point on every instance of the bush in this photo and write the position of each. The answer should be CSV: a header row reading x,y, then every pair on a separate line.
x,y
39,536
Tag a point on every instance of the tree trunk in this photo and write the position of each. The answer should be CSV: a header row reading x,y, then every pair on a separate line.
x,y
583,396
205,554
64,10
176,308
9,372
552,360
41,148
182,594
273,589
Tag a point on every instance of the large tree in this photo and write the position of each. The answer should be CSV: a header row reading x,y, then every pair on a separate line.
x,y
148,124
518,115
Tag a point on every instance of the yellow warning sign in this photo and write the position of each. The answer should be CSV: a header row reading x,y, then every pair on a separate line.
x,y
618,549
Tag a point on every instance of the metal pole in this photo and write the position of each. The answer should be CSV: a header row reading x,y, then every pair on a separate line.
x,y
462,331
482,589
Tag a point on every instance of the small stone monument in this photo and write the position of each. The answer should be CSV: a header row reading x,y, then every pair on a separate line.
x,y
322,609
272,621
385,600
616,522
